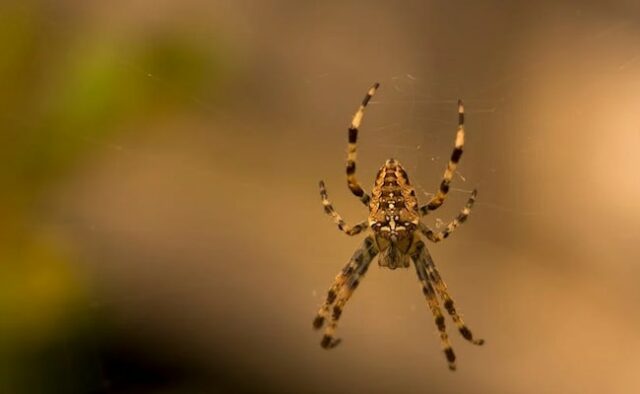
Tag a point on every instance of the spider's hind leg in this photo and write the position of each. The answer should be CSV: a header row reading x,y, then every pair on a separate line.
x,y
443,190
352,181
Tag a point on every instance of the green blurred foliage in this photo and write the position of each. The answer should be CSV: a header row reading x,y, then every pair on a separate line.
x,y
61,90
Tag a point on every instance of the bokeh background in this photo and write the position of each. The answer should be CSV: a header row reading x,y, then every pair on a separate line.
x,y
160,224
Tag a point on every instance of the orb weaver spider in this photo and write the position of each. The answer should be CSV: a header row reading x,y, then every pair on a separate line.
x,y
394,228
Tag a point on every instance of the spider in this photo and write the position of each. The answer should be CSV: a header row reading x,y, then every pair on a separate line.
x,y
394,229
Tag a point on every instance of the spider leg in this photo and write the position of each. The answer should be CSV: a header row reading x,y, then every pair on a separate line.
x,y
359,257
441,195
353,183
419,257
342,225
341,290
328,340
461,218
448,303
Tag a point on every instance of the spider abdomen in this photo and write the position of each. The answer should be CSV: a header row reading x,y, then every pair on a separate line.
x,y
394,207
393,214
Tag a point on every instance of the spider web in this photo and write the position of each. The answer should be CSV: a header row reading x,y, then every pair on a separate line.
x,y
422,139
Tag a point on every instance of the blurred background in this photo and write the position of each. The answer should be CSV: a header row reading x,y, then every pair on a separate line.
x,y
160,224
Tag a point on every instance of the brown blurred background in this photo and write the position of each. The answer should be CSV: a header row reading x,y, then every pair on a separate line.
x,y
161,229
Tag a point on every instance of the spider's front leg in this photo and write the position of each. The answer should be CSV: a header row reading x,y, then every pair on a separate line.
x,y
447,301
441,195
419,257
342,289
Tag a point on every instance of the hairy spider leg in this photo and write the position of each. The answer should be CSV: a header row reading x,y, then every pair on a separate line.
x,y
342,225
419,257
328,340
441,195
461,218
353,183
447,301
362,256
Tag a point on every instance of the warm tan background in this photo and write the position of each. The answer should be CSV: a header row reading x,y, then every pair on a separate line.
x,y
161,225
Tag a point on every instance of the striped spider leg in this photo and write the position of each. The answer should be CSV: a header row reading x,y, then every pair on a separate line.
x,y
341,290
454,224
352,182
328,208
430,277
443,190
394,234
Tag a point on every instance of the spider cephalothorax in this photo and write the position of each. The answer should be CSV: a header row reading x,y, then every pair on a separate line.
x,y
394,217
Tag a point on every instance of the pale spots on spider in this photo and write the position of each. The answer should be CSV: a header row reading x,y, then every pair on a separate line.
x,y
357,119
394,217
459,140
